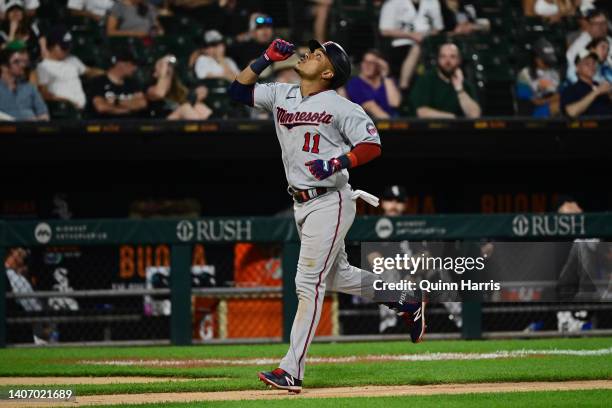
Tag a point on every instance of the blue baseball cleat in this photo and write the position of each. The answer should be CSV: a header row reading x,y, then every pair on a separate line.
x,y
282,380
411,307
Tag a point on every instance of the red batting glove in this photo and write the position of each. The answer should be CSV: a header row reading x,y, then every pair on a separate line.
x,y
279,50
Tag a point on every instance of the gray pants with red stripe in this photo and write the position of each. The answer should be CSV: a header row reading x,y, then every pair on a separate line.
x,y
322,225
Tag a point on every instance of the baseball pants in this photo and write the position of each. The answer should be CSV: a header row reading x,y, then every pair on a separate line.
x,y
322,225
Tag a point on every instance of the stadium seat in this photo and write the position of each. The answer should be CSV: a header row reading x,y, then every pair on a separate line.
x,y
63,110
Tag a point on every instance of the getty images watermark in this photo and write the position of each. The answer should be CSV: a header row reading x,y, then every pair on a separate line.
x,y
408,264
577,270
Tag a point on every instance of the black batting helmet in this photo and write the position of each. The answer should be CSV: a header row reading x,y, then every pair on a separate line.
x,y
338,58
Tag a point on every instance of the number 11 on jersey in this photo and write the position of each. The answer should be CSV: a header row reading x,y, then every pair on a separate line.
x,y
315,143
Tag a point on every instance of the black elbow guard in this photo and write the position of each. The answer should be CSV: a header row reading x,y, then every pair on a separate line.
x,y
242,93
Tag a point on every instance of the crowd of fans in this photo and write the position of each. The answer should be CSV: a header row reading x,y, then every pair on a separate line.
x,y
42,75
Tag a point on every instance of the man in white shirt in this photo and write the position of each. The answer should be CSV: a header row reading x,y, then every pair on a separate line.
x,y
212,62
597,28
59,74
406,23
94,9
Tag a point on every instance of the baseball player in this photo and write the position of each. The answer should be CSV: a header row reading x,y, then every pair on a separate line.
x,y
321,135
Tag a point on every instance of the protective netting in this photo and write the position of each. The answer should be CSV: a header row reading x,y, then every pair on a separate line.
x,y
122,293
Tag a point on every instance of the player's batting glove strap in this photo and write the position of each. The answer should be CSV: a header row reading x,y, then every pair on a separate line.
x,y
322,169
279,50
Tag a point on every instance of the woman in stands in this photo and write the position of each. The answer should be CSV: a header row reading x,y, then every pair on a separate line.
x,y
170,98
601,48
17,27
133,18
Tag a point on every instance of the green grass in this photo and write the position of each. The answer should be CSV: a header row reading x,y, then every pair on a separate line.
x,y
62,362
586,398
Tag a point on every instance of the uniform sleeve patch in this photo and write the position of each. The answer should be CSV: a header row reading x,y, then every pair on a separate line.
x,y
371,129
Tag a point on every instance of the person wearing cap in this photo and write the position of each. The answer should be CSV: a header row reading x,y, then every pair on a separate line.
x,y
30,6
211,61
443,93
587,97
133,18
393,201
261,28
537,85
116,94
601,47
597,28
17,26
59,73
373,89
322,135
19,99
93,9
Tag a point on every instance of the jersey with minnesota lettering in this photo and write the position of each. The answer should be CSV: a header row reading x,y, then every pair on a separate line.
x,y
322,126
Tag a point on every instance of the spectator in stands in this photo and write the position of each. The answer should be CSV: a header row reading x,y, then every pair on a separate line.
x,y
587,97
29,5
133,18
19,99
554,10
169,98
566,204
17,26
601,48
442,92
320,10
583,26
373,89
406,23
59,74
461,17
393,201
116,94
211,62
93,9
597,28
537,87
262,31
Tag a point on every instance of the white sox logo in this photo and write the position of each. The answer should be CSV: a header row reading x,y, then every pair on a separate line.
x,y
290,120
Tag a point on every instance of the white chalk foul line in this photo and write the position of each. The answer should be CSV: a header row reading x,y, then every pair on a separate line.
x,y
351,359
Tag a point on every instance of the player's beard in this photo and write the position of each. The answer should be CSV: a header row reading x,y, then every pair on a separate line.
x,y
447,73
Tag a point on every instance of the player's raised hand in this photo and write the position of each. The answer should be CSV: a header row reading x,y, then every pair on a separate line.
x,y
279,50
322,169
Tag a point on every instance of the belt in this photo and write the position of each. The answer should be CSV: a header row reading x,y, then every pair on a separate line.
x,y
301,196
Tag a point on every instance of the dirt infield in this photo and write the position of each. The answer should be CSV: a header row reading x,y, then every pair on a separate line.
x,y
367,391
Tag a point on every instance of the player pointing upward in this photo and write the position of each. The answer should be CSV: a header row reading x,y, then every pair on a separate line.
x,y
321,135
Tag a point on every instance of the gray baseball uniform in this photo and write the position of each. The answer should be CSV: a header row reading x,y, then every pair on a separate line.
x,y
319,126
